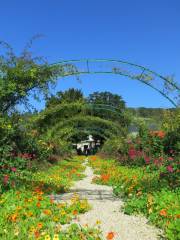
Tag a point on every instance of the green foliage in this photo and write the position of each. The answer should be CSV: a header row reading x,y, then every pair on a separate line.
x,y
69,117
143,192
107,98
72,127
20,75
27,212
114,146
69,96
171,124
75,232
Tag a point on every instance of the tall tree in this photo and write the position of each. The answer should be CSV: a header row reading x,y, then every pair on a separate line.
x,y
69,96
23,75
107,98
108,106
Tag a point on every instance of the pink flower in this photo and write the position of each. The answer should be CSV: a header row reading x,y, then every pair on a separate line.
x,y
147,159
132,153
5,179
170,159
170,168
156,162
139,153
13,169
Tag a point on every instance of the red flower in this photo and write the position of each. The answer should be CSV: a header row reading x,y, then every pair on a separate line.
x,y
170,168
36,234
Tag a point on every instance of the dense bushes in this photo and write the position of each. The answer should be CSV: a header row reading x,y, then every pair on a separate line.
x,y
147,172
154,150
22,148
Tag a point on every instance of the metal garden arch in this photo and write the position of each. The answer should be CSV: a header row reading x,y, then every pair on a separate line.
x,y
164,85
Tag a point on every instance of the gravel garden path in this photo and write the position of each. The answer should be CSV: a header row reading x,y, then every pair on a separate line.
x,y
107,210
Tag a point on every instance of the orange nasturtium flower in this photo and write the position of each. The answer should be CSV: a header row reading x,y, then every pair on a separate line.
x,y
39,225
93,158
36,234
110,235
75,212
160,134
40,198
105,177
13,217
163,213
47,212
38,204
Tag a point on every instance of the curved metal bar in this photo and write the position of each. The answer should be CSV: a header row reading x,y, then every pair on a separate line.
x,y
156,89
119,61
124,73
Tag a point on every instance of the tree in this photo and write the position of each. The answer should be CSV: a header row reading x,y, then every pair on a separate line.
x,y
108,106
107,98
69,96
23,75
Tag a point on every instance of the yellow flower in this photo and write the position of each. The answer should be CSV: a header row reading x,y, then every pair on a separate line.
x,y
18,208
47,237
43,233
55,219
16,232
98,222
29,214
31,230
63,212
83,205
56,237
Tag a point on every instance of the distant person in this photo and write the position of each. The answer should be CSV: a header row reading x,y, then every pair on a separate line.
x,y
86,150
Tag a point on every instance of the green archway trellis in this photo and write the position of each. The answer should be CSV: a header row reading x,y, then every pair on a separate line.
x,y
165,85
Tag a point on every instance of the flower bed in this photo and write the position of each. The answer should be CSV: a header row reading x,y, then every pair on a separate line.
x,y
27,212
144,192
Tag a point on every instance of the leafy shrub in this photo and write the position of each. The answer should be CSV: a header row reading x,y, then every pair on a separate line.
x,y
171,124
114,146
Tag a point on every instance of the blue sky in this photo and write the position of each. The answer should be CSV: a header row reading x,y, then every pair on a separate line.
x,y
139,31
